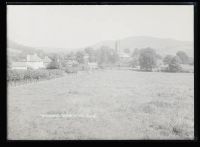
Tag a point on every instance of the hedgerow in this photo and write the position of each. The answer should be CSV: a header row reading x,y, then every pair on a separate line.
x,y
14,76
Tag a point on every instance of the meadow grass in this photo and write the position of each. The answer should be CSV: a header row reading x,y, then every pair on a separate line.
x,y
109,104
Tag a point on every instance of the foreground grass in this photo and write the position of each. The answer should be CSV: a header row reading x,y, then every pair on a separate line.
x,y
104,105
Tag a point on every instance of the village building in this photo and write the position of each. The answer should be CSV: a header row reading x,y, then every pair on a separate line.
x,y
34,62
92,65
31,62
89,65
124,57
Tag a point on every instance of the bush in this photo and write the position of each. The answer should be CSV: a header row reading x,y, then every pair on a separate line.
x,y
29,75
54,65
55,73
40,74
15,75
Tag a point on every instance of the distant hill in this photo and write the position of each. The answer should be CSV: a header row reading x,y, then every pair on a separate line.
x,y
17,47
162,46
14,49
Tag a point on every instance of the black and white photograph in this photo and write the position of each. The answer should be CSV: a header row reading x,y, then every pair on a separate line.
x,y
100,72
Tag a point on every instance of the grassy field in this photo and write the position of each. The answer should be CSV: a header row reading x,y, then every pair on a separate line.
x,y
107,104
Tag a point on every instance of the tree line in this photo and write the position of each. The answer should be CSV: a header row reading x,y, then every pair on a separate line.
x,y
102,56
147,60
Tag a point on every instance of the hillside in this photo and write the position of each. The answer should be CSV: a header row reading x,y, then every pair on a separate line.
x,y
14,49
17,47
162,46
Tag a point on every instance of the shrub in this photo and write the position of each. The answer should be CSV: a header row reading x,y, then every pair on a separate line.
x,y
55,72
174,65
74,68
28,75
24,75
15,75
40,74
54,65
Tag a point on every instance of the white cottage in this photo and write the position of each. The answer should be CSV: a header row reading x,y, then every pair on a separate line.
x,y
92,65
32,61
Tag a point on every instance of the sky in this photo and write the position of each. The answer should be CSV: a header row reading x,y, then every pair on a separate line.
x,y
77,26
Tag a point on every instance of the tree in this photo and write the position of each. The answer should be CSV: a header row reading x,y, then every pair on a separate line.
x,y
89,50
134,62
174,65
127,50
106,55
21,56
103,57
92,54
55,63
136,53
71,56
158,56
147,59
183,57
54,56
40,53
114,57
80,57
135,58
167,59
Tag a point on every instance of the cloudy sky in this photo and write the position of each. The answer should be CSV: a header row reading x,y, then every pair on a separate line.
x,y
77,26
